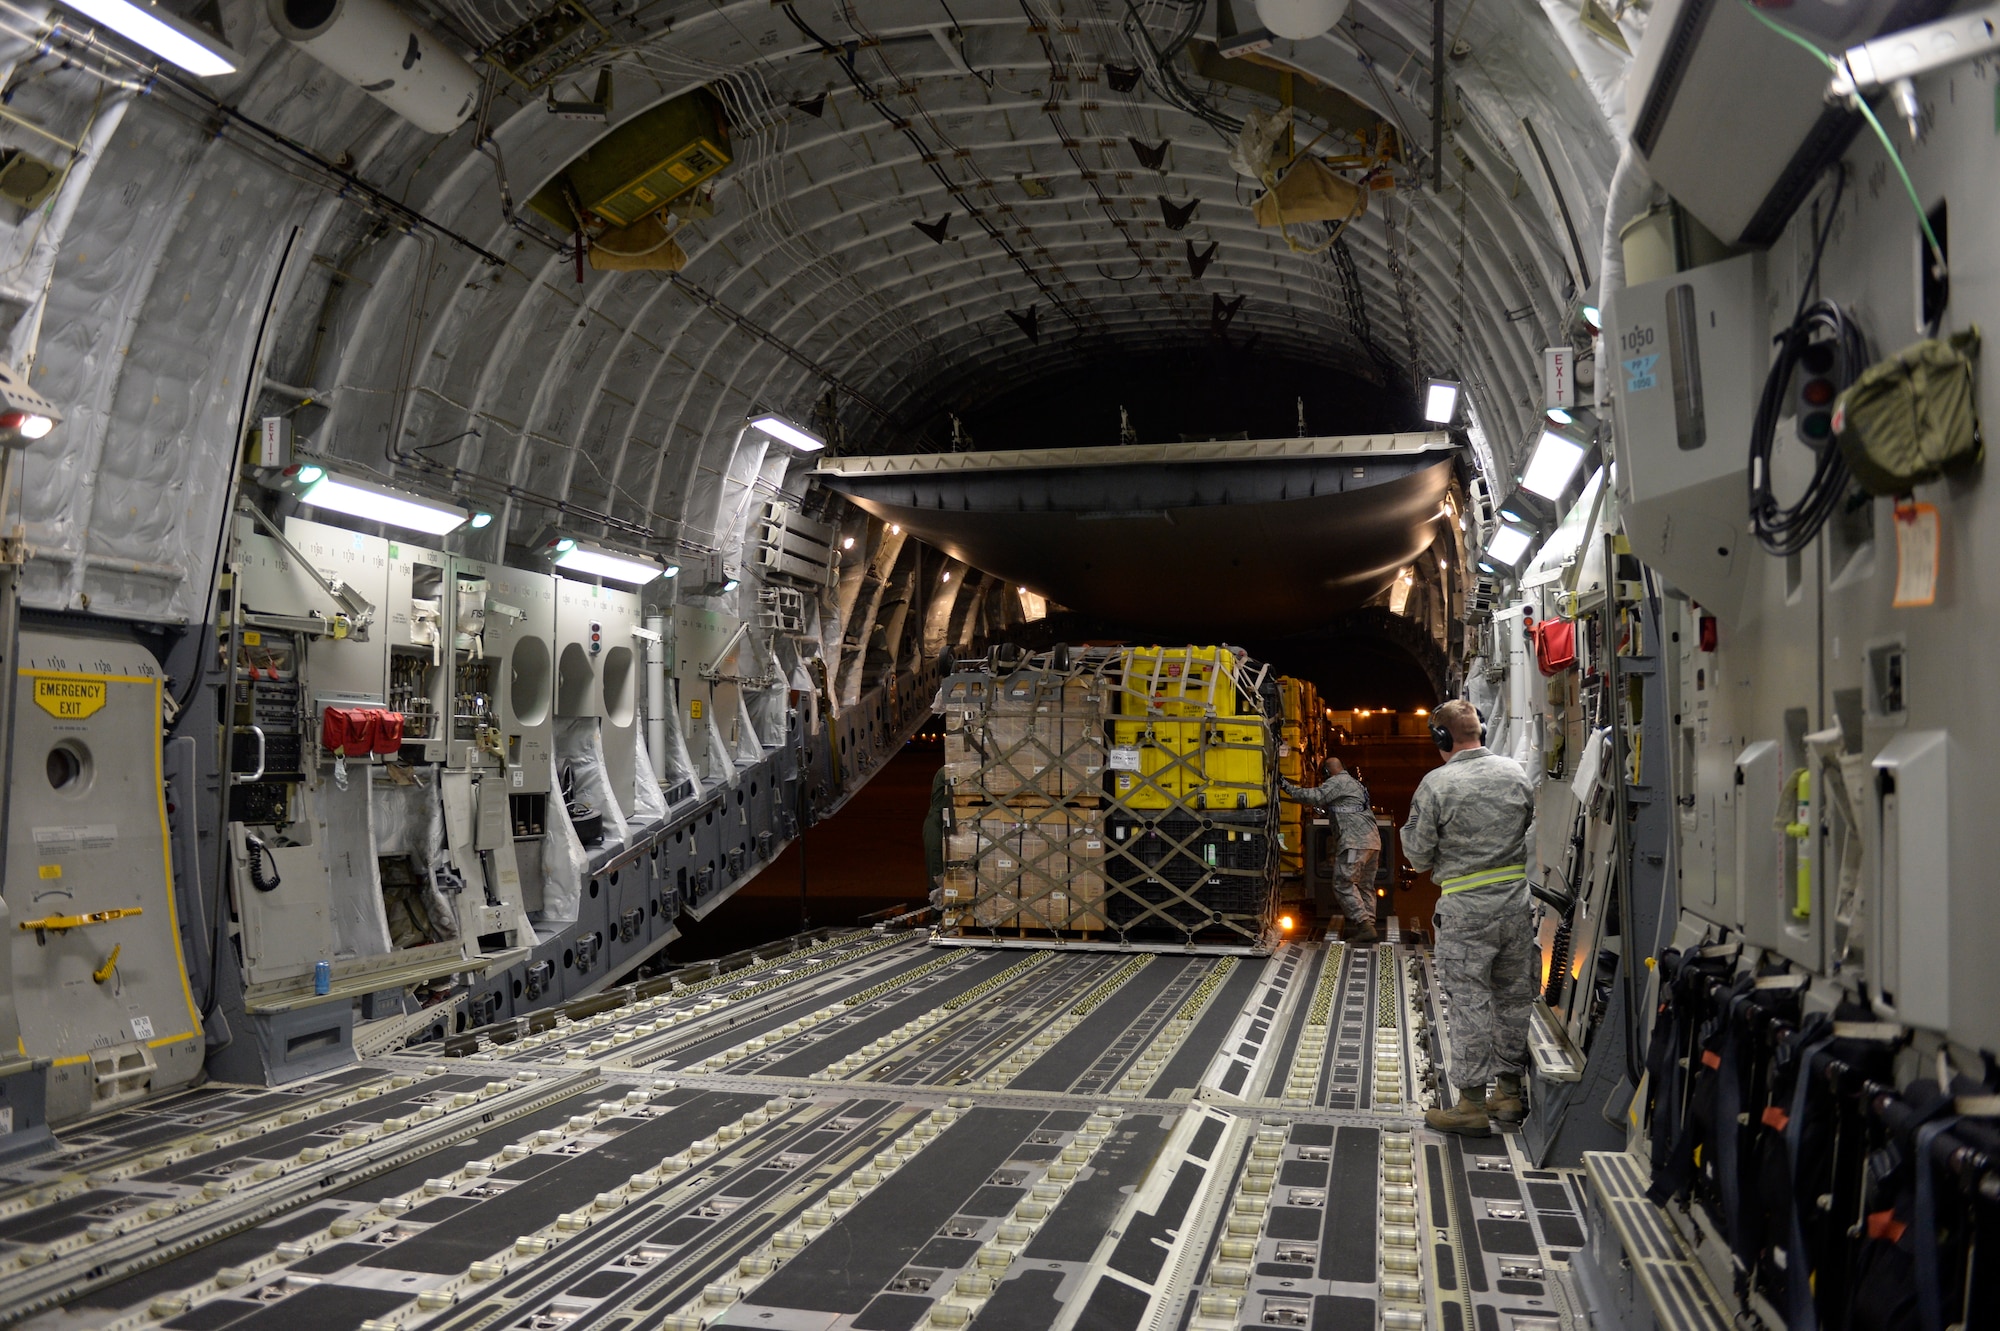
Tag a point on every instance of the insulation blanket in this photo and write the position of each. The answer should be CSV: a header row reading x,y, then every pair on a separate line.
x,y
565,863
580,760
649,805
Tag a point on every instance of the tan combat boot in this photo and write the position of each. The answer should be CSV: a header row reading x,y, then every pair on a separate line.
x,y
1467,1117
1506,1107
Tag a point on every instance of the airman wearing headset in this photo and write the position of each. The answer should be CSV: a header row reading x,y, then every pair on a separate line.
x,y
1471,825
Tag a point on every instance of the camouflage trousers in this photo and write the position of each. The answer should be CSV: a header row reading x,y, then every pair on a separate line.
x,y
1354,884
1488,964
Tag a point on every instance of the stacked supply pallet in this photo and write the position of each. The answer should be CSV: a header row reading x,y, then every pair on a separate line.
x,y
1121,793
1024,751
1190,834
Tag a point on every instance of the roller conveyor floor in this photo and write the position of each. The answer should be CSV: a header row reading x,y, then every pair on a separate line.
x,y
869,1133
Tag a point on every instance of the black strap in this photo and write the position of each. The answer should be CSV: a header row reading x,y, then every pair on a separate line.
x,y
1799,1312
1930,1281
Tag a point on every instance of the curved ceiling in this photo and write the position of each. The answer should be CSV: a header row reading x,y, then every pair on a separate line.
x,y
292,231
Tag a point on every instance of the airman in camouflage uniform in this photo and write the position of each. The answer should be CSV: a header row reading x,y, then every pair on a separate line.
x,y
1471,824
1359,845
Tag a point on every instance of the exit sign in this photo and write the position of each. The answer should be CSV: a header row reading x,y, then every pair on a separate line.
x,y
1559,377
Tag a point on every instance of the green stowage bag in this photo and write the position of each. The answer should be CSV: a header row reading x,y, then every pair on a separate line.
x,y
1912,417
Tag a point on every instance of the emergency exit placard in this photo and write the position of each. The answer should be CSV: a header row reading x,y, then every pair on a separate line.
x,y
68,698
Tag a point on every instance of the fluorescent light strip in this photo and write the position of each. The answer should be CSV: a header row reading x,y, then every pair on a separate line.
x,y
1440,402
1552,464
603,564
161,35
785,432
1508,545
375,503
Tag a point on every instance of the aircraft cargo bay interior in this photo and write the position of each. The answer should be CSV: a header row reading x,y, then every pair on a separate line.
x,y
1103,665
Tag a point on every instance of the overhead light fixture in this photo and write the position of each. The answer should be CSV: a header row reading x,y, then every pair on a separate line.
x,y
29,425
161,33
1552,464
730,585
1559,416
947,575
1485,567
481,519
895,529
1440,401
1508,545
596,562
1022,590
309,473
847,542
787,433
1510,515
379,503
25,415
1592,317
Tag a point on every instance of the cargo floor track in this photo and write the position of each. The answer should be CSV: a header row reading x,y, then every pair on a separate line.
x,y
869,1133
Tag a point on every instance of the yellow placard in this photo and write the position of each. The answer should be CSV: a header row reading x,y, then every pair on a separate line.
x,y
50,870
694,709
68,698
252,638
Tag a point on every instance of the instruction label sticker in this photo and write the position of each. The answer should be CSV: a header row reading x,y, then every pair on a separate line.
x,y
694,709
67,698
1639,374
1124,760
1917,539
142,1028
54,841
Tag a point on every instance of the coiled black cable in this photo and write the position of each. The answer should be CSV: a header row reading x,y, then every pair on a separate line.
x,y
1787,529
257,854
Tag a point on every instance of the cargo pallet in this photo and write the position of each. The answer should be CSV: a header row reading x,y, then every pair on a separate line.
x,y
1112,798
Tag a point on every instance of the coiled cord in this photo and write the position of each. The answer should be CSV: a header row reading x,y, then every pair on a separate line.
x,y
256,853
1787,529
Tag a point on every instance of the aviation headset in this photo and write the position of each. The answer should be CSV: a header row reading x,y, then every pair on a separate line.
x,y
1442,737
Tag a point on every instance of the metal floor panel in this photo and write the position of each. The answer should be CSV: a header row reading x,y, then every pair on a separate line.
x,y
867,1135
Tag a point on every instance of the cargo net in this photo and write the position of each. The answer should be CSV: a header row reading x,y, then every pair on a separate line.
x,y
1121,794
1301,751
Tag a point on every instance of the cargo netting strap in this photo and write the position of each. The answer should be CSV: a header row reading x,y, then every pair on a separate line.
x,y
1126,791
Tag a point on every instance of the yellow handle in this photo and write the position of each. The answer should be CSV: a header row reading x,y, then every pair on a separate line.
x,y
59,923
104,972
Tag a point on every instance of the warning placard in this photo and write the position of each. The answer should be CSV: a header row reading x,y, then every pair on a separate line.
x,y
68,698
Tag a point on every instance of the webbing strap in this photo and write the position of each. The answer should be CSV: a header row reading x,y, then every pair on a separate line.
x,y
1728,1142
1800,1314
1930,1293
1465,882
